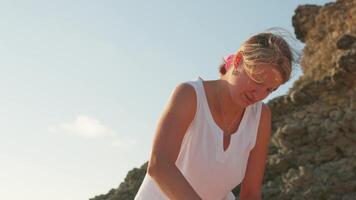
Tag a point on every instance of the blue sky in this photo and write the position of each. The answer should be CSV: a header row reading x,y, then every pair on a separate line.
x,y
83,83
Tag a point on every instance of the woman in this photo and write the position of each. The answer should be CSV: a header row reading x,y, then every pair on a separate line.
x,y
214,135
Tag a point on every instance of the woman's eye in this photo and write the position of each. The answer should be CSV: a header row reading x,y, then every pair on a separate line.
x,y
269,90
258,83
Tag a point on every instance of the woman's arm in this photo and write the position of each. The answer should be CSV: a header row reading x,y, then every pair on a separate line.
x,y
170,131
252,182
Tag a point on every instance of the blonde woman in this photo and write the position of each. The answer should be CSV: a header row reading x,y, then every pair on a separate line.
x,y
213,134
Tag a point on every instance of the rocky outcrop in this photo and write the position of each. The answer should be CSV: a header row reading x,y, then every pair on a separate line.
x,y
320,27
312,152
127,189
313,147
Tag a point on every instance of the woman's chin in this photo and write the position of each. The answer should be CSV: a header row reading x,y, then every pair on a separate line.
x,y
246,101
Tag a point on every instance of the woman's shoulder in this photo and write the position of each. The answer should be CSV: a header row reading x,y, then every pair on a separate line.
x,y
184,91
265,111
188,89
183,100
182,105
265,119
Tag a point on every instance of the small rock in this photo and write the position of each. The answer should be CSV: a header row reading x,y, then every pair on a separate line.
x,y
345,42
335,114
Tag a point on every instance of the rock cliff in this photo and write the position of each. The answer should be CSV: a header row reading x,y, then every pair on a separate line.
x,y
313,147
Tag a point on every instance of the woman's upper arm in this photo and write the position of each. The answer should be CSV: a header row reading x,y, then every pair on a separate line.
x,y
252,182
172,125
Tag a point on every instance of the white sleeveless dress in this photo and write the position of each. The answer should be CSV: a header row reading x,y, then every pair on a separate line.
x,y
210,170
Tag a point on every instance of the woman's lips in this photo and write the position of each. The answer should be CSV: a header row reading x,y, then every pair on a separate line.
x,y
248,99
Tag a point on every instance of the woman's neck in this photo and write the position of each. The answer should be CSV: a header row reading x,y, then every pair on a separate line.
x,y
224,98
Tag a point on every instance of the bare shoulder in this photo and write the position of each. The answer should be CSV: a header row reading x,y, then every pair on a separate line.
x,y
179,111
264,127
185,91
265,123
266,112
172,126
183,101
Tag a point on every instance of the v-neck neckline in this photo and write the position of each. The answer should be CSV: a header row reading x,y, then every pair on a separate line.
x,y
220,130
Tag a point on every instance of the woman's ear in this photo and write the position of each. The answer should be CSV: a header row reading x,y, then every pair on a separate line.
x,y
238,59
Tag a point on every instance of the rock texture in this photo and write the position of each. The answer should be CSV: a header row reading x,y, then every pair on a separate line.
x,y
127,189
312,152
313,148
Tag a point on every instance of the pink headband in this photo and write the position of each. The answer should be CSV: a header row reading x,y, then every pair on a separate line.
x,y
229,59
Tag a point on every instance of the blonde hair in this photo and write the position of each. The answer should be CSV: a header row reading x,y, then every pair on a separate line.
x,y
269,47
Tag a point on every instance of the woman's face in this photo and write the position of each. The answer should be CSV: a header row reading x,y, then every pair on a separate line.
x,y
246,91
